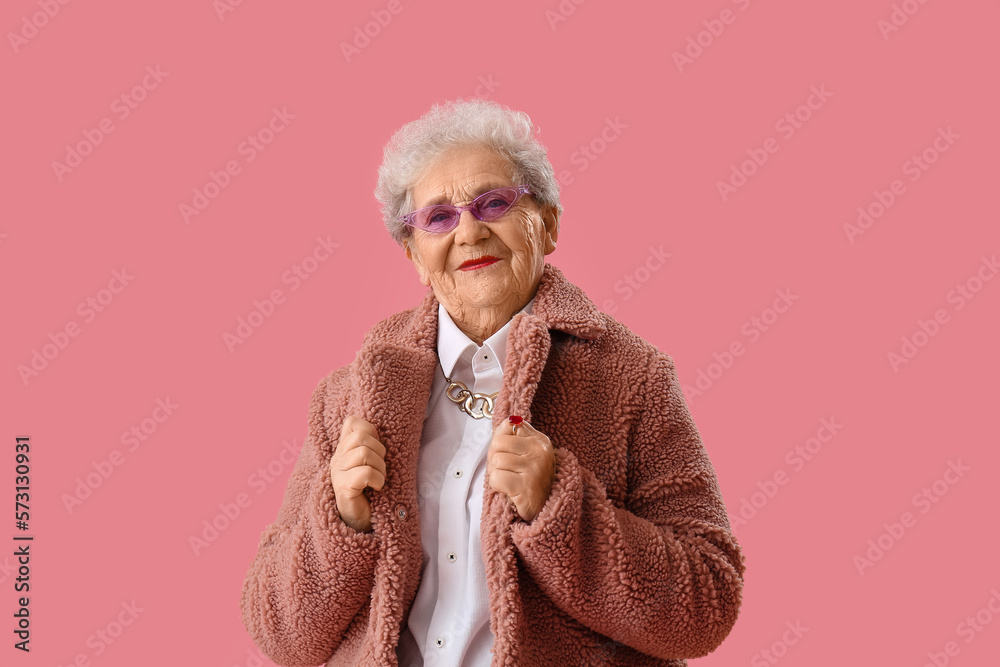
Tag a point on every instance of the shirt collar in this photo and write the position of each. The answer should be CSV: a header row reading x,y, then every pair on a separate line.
x,y
452,343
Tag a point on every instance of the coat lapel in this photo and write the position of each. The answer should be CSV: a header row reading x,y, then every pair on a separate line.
x,y
395,372
528,346
558,305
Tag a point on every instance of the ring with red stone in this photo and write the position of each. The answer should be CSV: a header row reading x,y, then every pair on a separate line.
x,y
514,421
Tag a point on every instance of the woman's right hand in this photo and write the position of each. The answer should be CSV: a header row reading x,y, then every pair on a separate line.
x,y
359,462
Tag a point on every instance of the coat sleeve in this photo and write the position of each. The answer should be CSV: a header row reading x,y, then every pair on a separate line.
x,y
313,572
663,575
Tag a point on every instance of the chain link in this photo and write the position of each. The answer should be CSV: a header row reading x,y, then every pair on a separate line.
x,y
466,400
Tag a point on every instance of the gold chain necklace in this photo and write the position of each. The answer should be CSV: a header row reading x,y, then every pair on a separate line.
x,y
466,399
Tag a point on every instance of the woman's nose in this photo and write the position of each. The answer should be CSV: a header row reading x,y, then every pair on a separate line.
x,y
470,229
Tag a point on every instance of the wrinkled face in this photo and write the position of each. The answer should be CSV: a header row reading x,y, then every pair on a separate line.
x,y
519,240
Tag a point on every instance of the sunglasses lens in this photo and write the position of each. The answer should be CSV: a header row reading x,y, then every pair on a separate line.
x,y
495,203
436,219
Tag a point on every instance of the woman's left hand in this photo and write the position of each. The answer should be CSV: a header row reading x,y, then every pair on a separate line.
x,y
522,466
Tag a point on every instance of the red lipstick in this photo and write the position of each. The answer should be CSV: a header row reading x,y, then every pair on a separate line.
x,y
478,263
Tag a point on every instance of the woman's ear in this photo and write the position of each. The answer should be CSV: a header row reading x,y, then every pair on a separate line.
x,y
411,254
550,218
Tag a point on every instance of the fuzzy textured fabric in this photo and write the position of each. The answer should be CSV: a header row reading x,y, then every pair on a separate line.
x,y
631,560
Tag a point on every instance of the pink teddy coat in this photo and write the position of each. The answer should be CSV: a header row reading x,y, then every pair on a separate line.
x,y
631,560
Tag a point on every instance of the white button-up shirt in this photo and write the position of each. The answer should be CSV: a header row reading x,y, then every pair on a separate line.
x,y
449,622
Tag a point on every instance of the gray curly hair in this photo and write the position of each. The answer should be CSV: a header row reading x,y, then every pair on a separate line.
x,y
416,145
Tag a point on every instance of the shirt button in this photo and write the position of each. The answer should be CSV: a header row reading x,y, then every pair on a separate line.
x,y
452,557
439,641
458,473
401,511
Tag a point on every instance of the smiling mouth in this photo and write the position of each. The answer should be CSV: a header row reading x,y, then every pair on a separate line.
x,y
472,264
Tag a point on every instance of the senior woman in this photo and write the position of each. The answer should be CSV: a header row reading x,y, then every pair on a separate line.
x,y
504,475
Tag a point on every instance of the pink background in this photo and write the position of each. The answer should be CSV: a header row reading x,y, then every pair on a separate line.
x,y
654,185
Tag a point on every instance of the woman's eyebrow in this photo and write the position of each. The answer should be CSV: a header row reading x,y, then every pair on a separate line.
x,y
486,187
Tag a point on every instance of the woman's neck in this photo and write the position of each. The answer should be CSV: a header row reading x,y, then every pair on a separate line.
x,y
481,323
